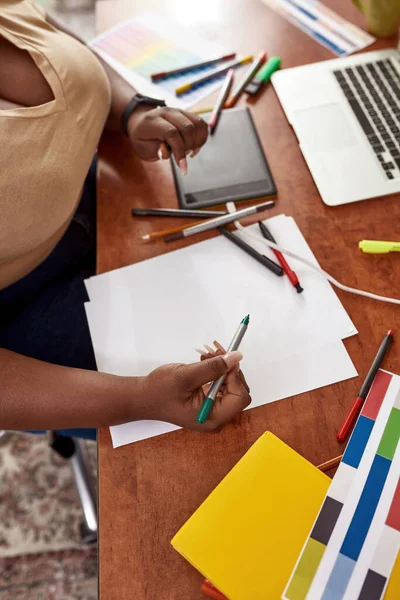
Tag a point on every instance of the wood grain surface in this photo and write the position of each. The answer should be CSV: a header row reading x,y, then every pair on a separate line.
x,y
147,490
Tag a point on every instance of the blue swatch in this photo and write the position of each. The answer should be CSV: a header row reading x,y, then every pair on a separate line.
x,y
364,513
358,441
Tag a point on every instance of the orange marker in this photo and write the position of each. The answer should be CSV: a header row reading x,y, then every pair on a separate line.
x,y
259,61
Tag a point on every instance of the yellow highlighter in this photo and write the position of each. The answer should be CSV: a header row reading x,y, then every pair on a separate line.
x,y
378,247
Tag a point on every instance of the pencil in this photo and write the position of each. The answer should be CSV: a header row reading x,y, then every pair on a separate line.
x,y
264,260
219,105
186,87
357,405
330,464
290,274
192,67
176,212
172,230
219,221
237,92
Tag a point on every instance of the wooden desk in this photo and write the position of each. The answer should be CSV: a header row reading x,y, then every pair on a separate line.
x,y
148,490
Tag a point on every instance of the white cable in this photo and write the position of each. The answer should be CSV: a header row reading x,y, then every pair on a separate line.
x,y
339,285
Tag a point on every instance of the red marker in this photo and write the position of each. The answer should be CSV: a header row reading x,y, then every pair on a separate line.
x,y
219,105
357,405
204,63
209,590
288,271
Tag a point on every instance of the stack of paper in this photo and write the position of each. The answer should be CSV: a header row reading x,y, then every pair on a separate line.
x,y
159,310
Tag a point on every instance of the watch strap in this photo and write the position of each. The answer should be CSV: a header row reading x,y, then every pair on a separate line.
x,y
137,100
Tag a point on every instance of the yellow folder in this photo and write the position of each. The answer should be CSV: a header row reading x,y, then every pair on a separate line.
x,y
247,535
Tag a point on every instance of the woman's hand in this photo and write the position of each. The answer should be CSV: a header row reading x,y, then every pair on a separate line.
x,y
174,393
162,128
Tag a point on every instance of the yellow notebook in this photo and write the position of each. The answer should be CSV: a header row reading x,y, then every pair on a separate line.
x,y
247,535
393,588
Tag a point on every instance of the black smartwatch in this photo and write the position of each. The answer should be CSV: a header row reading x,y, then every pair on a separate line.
x,y
136,101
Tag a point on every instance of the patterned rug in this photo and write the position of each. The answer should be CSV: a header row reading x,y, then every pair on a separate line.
x,y
41,556
67,575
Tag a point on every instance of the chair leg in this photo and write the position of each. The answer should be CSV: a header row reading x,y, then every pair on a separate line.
x,y
86,492
4,437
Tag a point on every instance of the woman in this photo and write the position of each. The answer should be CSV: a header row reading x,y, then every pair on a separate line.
x,y
55,99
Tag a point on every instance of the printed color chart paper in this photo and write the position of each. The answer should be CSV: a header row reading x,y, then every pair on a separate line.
x,y
322,24
355,540
151,43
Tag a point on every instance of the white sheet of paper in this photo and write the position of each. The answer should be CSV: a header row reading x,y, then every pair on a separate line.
x,y
206,289
301,373
311,369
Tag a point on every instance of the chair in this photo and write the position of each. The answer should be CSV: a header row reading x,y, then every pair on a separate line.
x,y
73,449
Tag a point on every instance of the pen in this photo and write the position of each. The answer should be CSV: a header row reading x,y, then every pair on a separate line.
x,y
378,247
192,67
219,105
259,61
264,260
289,272
176,212
263,75
215,386
218,221
366,386
186,87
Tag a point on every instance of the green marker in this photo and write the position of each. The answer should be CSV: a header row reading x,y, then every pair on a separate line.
x,y
263,75
215,386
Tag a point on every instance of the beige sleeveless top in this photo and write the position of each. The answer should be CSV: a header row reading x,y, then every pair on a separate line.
x,y
46,150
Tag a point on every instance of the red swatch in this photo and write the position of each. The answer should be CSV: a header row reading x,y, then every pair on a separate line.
x,y
393,518
376,395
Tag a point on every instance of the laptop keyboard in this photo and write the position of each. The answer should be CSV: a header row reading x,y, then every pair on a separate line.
x,y
373,93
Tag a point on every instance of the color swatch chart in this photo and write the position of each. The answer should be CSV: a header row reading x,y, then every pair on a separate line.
x,y
150,44
322,24
355,541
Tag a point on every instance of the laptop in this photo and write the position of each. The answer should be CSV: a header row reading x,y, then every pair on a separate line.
x,y
346,115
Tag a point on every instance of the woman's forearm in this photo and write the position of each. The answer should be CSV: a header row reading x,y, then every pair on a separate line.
x,y
39,395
